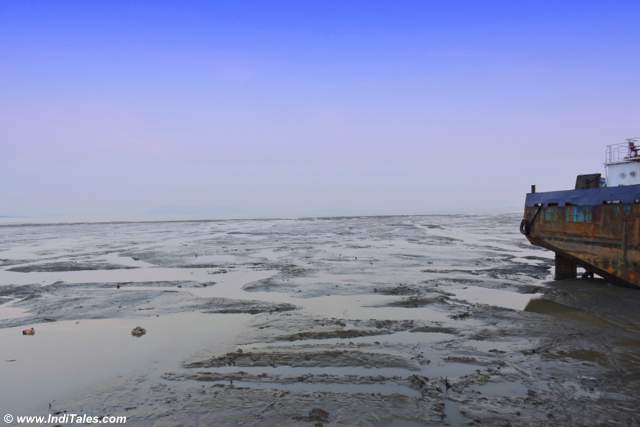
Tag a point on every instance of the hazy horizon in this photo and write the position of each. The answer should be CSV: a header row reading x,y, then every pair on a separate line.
x,y
213,110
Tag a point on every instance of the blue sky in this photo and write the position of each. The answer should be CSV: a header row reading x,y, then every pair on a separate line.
x,y
149,110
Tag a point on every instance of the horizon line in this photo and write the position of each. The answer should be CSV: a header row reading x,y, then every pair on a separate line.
x,y
302,218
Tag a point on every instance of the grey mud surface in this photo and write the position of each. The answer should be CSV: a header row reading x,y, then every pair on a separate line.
x,y
400,321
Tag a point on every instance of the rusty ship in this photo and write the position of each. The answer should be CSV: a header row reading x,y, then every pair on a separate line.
x,y
595,226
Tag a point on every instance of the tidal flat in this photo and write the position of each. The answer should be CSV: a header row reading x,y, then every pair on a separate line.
x,y
373,321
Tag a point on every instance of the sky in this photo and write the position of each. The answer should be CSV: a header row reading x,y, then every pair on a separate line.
x,y
228,109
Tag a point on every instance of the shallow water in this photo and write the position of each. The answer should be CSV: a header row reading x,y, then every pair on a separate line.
x,y
65,357
9,310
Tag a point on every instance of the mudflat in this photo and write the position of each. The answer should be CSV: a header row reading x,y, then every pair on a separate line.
x,y
398,320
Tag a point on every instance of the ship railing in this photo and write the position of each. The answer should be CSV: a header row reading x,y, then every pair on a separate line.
x,y
623,152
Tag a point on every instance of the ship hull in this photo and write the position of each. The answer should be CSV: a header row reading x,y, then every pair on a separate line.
x,y
598,229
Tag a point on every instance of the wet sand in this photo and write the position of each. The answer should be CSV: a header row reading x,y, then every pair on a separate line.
x,y
420,320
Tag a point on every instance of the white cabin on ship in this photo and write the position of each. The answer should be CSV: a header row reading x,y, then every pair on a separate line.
x,y
622,163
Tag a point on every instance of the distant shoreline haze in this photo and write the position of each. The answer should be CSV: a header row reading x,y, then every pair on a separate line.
x,y
41,221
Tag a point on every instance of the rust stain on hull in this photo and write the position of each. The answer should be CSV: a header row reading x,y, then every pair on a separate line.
x,y
604,239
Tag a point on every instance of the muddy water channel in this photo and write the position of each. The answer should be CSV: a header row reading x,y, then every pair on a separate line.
x,y
414,320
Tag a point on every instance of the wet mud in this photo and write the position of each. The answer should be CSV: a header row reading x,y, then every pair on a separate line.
x,y
405,321
66,266
337,358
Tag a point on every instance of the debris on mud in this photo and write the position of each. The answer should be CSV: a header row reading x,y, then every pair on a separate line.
x,y
138,331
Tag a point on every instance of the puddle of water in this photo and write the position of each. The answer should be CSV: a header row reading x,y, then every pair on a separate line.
x,y
495,297
10,311
65,357
630,343
439,368
127,261
494,389
220,259
361,307
585,355
452,414
545,306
